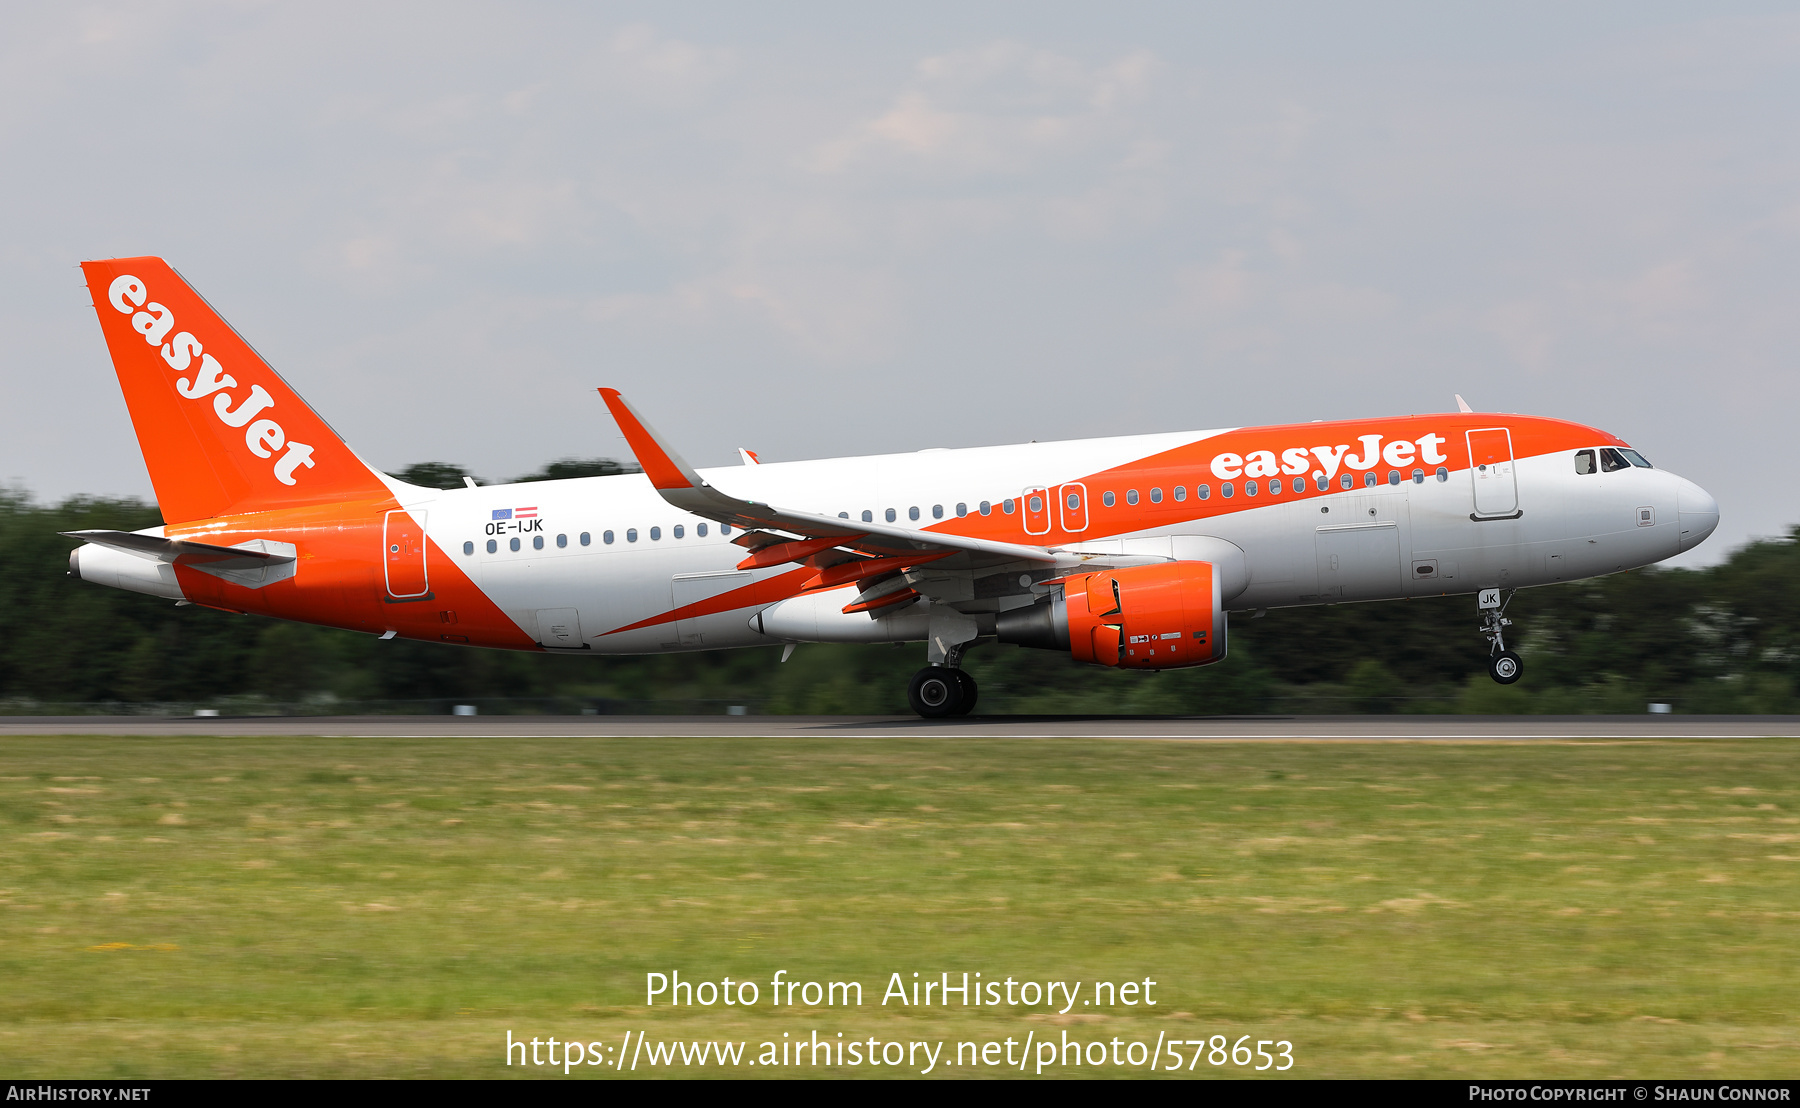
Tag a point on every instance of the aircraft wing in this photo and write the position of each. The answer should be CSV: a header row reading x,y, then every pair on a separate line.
x,y
685,489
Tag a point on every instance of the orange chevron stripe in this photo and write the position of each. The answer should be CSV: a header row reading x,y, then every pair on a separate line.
x,y
779,587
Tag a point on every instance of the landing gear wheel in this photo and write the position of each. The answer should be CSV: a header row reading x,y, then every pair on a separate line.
x,y
1505,667
936,692
969,693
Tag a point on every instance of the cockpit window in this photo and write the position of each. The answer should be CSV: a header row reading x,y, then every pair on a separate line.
x,y
1585,463
1636,459
1611,461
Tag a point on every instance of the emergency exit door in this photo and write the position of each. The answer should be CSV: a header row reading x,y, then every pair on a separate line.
x,y
1036,503
1071,504
1491,470
403,552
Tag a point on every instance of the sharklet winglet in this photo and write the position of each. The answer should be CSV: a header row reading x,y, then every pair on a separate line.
x,y
665,468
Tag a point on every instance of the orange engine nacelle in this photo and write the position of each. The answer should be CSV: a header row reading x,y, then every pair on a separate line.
x,y
1162,616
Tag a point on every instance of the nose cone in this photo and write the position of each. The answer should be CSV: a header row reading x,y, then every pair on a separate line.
x,y
1699,513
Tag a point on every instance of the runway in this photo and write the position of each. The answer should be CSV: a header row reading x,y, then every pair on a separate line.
x,y
1197,729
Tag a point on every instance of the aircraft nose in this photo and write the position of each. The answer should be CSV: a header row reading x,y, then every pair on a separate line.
x,y
1699,513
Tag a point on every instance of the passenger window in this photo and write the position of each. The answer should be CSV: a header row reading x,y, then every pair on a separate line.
x,y
1393,477
912,512
1345,481
1131,496
1611,461
987,509
1275,487
724,528
1074,501
1443,474
514,544
1370,480
492,546
937,511
1037,503
656,534
868,516
680,531
1418,477
1156,496
1107,498
1203,491
1180,493
1251,488
537,542
1636,459
562,541
843,515
468,548
962,509
587,539
700,530
631,534
890,515
1585,463
1225,489
606,537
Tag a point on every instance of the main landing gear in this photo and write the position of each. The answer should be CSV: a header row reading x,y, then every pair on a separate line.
x,y
939,691
1503,665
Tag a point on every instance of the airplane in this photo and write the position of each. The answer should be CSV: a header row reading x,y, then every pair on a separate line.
x,y
1129,552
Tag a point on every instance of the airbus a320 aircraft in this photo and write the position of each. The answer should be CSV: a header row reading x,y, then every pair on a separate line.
x,y
1126,552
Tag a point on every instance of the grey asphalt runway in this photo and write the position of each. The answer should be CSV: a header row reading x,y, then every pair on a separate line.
x,y
1215,728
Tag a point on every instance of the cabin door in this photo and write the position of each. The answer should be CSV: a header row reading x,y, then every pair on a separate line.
x,y
1491,470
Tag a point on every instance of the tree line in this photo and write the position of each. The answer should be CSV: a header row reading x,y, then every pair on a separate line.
x,y
1724,639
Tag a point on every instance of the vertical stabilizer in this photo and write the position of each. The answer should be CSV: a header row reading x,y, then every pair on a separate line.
x,y
220,430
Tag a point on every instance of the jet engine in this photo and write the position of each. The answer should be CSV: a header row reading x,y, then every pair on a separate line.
x,y
1164,616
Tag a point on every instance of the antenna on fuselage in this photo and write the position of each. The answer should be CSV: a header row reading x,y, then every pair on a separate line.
x,y
1462,405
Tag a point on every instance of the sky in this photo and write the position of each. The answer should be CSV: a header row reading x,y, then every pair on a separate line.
x,y
823,229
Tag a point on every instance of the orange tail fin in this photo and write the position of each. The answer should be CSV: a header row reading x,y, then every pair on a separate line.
x,y
220,430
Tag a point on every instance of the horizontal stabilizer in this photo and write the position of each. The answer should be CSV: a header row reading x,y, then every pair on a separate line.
x,y
196,554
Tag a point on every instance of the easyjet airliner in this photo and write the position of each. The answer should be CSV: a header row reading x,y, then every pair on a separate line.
x,y
1126,552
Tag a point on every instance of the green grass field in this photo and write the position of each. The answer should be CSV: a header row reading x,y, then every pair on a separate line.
x,y
331,907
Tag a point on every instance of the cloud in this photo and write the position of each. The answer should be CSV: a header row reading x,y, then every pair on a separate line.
x,y
664,69
842,318
1004,108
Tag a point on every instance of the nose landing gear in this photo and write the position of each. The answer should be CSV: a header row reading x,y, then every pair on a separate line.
x,y
1504,666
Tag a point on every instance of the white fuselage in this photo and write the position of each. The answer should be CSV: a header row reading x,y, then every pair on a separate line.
x,y
1386,542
